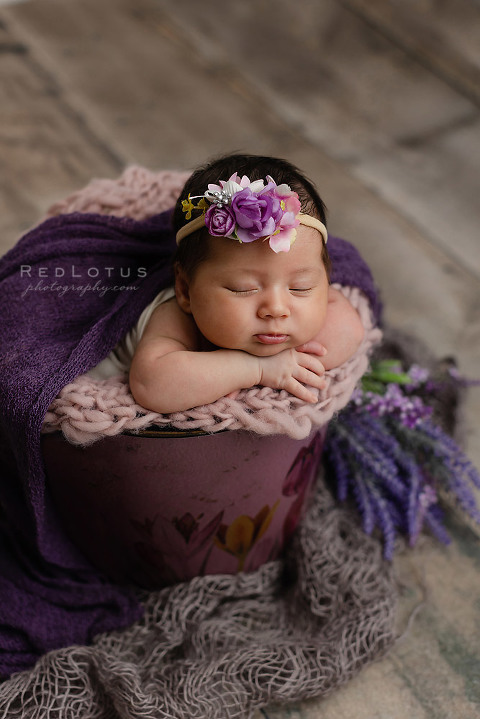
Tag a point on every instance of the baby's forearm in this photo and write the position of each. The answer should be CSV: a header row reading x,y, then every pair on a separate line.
x,y
181,380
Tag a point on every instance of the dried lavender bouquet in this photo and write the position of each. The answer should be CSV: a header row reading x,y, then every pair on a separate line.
x,y
392,449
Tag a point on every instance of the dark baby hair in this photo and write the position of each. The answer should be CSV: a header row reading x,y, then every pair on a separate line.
x,y
193,249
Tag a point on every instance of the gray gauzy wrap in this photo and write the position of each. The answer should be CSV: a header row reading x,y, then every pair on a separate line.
x,y
220,647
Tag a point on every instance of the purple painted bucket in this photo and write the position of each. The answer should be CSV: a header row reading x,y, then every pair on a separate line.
x,y
161,507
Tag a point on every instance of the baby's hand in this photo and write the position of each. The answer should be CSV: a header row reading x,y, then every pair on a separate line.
x,y
293,368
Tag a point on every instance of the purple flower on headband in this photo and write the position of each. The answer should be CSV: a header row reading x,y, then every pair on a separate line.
x,y
220,221
256,215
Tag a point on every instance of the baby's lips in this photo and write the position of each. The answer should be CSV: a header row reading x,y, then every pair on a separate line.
x,y
272,339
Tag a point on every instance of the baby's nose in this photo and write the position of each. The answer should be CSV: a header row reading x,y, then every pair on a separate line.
x,y
274,304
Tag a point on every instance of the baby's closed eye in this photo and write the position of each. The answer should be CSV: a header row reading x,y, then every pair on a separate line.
x,y
243,291
301,290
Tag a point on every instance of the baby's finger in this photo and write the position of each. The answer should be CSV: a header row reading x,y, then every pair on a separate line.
x,y
312,379
300,391
306,376
310,362
313,348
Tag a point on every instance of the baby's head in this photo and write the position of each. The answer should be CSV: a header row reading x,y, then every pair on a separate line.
x,y
194,248
251,268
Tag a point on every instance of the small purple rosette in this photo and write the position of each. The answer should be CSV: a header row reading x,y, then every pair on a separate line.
x,y
220,221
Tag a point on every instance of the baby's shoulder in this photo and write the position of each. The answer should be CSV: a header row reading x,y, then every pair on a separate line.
x,y
169,320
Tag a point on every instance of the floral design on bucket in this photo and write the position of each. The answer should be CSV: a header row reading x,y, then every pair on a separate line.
x,y
244,532
247,211
171,550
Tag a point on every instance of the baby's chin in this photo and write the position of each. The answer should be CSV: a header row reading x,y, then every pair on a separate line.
x,y
264,350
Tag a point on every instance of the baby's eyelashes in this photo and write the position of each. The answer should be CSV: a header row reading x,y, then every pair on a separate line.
x,y
301,290
249,291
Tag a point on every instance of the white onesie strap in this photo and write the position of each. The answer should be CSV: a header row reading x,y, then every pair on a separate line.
x,y
144,318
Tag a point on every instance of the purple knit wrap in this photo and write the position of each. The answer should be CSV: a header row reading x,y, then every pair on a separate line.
x,y
69,290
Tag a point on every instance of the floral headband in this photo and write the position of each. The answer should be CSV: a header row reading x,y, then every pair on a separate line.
x,y
247,211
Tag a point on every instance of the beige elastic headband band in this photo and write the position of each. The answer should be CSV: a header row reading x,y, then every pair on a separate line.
x,y
310,221
190,227
199,222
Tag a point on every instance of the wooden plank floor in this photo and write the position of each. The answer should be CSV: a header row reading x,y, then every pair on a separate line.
x,y
379,103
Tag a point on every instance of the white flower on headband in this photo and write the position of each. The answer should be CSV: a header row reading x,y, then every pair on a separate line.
x,y
235,184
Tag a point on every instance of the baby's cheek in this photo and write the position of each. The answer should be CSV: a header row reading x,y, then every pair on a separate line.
x,y
322,312
220,334
317,324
